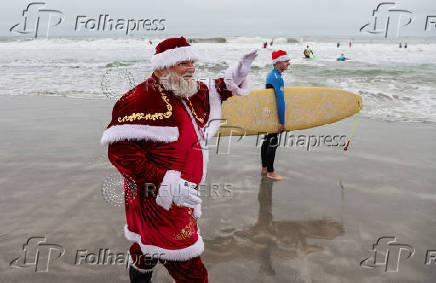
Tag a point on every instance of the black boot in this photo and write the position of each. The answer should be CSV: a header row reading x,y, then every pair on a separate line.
x,y
137,276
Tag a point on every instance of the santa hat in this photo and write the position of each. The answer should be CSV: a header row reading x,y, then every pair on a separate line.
x,y
280,56
172,51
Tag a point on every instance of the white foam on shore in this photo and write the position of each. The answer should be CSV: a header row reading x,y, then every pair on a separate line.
x,y
396,84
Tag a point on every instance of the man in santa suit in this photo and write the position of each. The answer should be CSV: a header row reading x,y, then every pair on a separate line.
x,y
157,141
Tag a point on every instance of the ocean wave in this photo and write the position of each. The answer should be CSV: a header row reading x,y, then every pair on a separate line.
x,y
121,64
208,40
395,84
292,40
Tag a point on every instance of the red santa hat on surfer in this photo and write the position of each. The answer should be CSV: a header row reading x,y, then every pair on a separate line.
x,y
280,56
172,51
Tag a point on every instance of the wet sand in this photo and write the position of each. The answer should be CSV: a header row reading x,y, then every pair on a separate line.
x,y
316,226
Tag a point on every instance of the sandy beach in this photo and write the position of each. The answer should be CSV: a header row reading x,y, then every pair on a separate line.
x,y
319,225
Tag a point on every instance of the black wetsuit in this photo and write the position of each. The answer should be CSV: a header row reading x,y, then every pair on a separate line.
x,y
269,147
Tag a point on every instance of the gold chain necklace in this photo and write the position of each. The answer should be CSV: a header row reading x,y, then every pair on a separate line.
x,y
201,120
195,114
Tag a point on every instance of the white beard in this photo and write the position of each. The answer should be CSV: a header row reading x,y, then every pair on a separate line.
x,y
183,86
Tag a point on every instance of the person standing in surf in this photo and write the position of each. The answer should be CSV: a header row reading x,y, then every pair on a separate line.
x,y
308,53
281,62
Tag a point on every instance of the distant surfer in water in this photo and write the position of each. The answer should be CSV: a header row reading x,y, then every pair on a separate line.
x,y
281,62
342,58
308,53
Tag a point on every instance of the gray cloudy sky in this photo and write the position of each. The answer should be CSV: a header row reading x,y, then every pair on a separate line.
x,y
225,17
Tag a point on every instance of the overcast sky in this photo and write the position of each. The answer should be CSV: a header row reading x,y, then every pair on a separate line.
x,y
238,17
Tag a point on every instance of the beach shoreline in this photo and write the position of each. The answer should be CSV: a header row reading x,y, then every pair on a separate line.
x,y
316,226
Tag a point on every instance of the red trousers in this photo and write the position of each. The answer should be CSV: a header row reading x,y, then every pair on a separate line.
x,y
191,270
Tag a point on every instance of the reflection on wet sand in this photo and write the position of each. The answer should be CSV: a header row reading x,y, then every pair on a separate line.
x,y
267,238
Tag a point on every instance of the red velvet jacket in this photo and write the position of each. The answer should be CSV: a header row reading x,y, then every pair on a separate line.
x,y
153,131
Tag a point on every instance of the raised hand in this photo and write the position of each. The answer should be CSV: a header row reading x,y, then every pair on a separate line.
x,y
243,67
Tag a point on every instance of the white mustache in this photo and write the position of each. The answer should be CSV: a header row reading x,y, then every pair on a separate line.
x,y
188,76
182,85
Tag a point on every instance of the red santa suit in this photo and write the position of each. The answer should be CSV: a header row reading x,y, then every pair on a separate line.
x,y
156,137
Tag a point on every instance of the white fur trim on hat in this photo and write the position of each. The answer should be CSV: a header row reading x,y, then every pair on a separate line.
x,y
139,132
242,89
171,57
281,59
187,253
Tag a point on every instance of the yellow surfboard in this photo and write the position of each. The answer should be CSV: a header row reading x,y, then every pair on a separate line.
x,y
306,107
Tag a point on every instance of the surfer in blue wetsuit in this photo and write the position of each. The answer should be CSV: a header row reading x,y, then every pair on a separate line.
x,y
342,58
281,62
